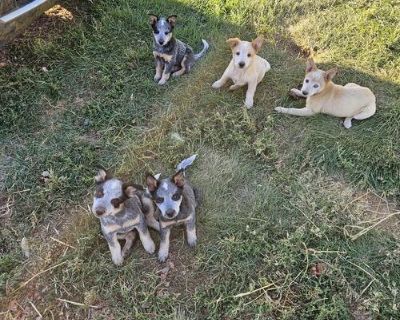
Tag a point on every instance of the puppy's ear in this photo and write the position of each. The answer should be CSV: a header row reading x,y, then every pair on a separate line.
x,y
179,179
233,42
152,183
257,43
102,175
311,66
130,189
172,20
153,19
330,74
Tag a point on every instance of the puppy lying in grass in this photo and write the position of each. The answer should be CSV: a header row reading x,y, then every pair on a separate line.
x,y
122,208
323,96
246,67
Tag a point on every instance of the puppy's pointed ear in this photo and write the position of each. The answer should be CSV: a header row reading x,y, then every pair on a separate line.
x,y
172,20
233,42
152,183
130,189
330,74
153,19
102,175
311,66
257,43
179,179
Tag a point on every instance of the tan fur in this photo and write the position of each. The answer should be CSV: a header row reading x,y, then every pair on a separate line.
x,y
350,101
165,57
253,72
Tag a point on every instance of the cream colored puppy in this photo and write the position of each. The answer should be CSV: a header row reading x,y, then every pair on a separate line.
x,y
323,96
246,67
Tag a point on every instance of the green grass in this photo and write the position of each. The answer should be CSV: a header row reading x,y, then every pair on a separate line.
x,y
281,194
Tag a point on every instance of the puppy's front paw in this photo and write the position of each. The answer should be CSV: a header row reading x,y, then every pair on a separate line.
x,y
162,255
157,78
347,123
217,84
162,82
280,109
248,103
149,246
117,260
192,241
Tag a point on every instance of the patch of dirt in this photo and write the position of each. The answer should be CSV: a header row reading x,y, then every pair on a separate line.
x,y
287,44
52,22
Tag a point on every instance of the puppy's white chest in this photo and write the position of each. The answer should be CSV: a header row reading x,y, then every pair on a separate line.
x,y
239,78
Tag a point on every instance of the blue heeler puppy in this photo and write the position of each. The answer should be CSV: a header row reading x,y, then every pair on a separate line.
x,y
176,202
122,208
172,55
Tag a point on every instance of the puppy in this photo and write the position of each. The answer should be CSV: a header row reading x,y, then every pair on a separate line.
x,y
246,67
323,96
176,203
172,56
122,208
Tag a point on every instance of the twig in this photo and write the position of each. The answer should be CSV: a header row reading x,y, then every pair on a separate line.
x,y
362,269
253,291
38,274
79,304
365,230
365,289
37,311
61,242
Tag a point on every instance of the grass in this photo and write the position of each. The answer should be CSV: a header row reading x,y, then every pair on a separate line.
x,y
281,194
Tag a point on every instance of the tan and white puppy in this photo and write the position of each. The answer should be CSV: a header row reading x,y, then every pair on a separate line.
x,y
246,67
323,96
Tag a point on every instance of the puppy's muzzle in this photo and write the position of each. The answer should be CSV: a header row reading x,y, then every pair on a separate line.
x,y
161,42
241,64
170,213
304,92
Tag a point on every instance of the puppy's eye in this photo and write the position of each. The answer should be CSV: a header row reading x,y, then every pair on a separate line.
x,y
237,53
159,200
176,197
315,86
249,55
116,202
156,32
166,32
307,81
99,194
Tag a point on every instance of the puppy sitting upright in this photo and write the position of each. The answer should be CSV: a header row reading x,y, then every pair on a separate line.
x,y
172,55
246,67
176,202
121,209
323,96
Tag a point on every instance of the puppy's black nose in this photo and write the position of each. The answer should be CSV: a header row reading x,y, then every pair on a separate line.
x,y
304,92
100,211
161,42
241,64
170,213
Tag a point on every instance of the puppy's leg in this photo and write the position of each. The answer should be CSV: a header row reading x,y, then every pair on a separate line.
x,y
225,77
159,69
152,222
347,122
303,112
167,72
251,90
129,238
297,93
145,238
164,244
182,70
115,249
191,232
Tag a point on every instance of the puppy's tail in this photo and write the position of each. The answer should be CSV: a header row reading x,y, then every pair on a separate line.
x,y
197,56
